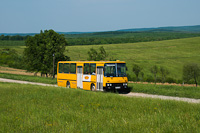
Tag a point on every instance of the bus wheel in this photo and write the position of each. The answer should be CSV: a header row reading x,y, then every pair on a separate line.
x,y
68,84
92,87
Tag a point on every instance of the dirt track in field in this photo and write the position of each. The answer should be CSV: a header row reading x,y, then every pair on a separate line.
x,y
189,100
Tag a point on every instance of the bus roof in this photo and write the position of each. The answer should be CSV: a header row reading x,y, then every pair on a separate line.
x,y
118,61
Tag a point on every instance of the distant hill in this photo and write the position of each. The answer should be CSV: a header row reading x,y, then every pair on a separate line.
x,y
195,28
190,29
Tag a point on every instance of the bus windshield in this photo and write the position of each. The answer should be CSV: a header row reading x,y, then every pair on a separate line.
x,y
115,70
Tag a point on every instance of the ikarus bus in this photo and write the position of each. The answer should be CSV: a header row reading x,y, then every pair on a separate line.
x,y
92,75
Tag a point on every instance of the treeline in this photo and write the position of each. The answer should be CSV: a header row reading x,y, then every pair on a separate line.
x,y
126,37
160,74
11,58
13,38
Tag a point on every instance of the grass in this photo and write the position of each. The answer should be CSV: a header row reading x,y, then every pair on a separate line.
x,y
31,108
29,78
167,90
172,54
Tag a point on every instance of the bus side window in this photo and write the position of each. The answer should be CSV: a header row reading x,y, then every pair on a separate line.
x,y
60,67
93,69
86,68
66,67
73,68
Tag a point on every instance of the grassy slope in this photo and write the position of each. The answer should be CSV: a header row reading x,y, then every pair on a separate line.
x,y
172,54
28,108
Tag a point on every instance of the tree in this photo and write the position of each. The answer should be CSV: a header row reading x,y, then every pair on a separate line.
x,y
94,55
136,69
154,71
164,72
39,51
191,71
102,54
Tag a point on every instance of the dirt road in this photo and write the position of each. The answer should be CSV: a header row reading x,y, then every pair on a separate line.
x,y
189,100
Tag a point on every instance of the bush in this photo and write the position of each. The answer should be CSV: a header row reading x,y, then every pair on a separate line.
x,y
149,78
170,80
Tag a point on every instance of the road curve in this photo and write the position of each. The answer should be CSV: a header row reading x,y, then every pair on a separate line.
x,y
131,94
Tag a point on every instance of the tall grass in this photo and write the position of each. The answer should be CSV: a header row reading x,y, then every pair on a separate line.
x,y
31,108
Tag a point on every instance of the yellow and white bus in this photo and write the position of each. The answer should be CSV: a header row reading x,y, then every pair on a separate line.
x,y
92,75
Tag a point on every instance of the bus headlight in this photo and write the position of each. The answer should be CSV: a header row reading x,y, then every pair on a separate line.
x,y
125,84
109,84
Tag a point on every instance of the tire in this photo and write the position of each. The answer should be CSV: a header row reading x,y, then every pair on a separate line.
x,y
92,87
68,84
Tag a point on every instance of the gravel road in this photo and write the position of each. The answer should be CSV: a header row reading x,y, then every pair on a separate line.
x,y
132,94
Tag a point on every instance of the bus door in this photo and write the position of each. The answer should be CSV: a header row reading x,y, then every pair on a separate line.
x,y
79,77
99,81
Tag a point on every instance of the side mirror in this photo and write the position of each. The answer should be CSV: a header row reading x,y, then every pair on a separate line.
x,y
126,68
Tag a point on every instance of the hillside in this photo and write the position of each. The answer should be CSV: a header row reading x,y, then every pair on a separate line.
x,y
172,54
195,28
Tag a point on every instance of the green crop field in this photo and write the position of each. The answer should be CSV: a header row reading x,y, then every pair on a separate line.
x,y
31,108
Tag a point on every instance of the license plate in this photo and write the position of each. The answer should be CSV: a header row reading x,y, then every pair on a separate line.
x,y
117,87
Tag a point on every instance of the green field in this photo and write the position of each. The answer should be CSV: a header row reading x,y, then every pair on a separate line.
x,y
172,54
31,108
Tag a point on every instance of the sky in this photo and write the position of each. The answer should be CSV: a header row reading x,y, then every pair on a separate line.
x,y
31,16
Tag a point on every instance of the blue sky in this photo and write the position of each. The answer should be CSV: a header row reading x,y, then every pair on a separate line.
x,y
31,16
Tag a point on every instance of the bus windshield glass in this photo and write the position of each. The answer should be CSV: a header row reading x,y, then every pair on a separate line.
x,y
115,70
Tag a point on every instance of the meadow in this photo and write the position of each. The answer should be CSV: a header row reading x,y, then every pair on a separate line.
x,y
172,54
31,108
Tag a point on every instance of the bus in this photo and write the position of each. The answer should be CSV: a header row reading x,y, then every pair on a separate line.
x,y
92,75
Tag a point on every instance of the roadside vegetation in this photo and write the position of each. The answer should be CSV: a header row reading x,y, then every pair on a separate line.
x,y
29,78
32,108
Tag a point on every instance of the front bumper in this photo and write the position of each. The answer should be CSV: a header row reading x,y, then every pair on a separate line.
x,y
116,86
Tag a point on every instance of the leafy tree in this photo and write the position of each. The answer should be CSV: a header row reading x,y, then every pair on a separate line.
x,y
191,71
11,58
154,71
102,54
38,54
94,55
164,72
136,69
